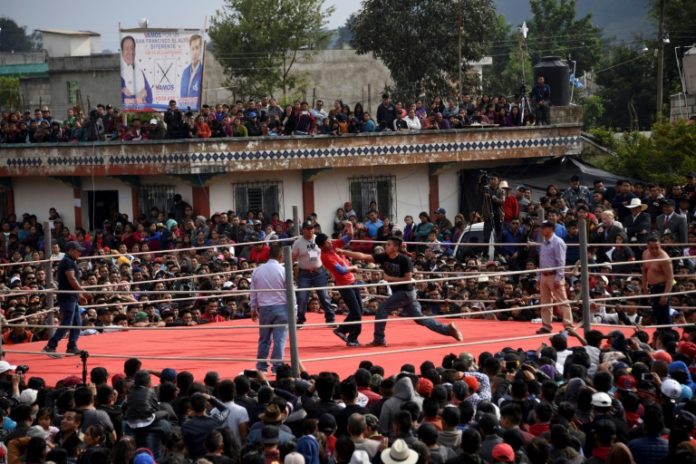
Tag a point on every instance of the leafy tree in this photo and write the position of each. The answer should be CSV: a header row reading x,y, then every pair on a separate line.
x,y
627,83
9,92
418,40
553,30
344,36
14,38
258,43
592,111
662,158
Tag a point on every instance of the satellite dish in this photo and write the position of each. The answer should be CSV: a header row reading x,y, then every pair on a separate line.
x,y
524,29
143,22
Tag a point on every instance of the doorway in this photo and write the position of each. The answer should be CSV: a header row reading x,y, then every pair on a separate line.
x,y
102,204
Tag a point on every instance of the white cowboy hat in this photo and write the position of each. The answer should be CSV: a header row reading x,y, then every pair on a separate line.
x,y
635,203
399,453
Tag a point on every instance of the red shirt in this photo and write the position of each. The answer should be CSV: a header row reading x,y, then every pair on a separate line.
x,y
337,265
260,256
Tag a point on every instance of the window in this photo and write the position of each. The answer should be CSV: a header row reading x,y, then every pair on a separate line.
x,y
255,196
157,195
381,190
73,90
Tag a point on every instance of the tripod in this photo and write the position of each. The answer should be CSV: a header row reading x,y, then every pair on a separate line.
x,y
524,103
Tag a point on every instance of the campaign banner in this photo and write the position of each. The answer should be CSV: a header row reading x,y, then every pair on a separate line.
x,y
159,65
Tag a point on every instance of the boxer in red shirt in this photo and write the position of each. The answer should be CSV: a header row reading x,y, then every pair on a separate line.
x,y
342,271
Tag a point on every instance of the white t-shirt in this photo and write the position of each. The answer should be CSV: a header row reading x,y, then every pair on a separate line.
x,y
238,415
309,257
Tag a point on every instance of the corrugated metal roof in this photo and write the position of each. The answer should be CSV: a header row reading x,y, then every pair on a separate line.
x,y
69,32
30,69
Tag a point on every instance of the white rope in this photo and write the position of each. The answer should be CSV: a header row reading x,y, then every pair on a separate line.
x,y
153,252
156,358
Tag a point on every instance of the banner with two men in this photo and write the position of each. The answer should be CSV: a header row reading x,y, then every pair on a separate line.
x,y
158,65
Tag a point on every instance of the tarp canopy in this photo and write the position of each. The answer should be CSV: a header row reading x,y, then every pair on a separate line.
x,y
538,176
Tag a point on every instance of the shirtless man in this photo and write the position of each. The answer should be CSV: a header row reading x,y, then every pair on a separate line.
x,y
658,277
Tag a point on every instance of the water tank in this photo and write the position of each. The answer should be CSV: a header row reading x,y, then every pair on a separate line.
x,y
556,73
689,64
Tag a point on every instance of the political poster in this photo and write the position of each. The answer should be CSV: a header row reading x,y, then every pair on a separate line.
x,y
159,65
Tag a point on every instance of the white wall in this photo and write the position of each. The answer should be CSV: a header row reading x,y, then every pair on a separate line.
x,y
35,195
331,190
68,45
449,191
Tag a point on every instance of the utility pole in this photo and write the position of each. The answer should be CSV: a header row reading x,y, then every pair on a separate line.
x,y
660,60
459,61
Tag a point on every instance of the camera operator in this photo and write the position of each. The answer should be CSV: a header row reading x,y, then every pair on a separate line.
x,y
492,207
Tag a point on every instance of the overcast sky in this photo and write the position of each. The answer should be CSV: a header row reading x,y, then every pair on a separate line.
x,y
104,16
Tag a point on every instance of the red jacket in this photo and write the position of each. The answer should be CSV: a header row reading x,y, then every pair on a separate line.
x,y
511,208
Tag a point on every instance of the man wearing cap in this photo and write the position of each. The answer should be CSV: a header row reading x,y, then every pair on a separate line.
x,y
68,275
637,225
658,278
441,221
311,273
552,257
669,219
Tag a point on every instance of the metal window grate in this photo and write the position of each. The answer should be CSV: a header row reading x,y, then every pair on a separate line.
x,y
381,190
257,196
156,195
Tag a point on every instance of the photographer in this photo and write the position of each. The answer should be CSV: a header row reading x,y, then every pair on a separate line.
x,y
492,207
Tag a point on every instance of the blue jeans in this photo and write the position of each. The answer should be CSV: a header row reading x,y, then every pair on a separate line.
x,y
276,314
405,299
152,436
69,315
307,279
354,302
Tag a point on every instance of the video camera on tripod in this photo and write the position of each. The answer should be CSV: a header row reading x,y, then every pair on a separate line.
x,y
484,178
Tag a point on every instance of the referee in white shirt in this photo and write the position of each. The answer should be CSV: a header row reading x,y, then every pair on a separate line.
x,y
270,308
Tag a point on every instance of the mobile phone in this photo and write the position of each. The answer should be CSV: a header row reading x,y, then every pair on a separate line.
x,y
251,373
646,376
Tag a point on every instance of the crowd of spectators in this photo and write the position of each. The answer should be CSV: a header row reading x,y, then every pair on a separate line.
x,y
613,399
144,272
263,117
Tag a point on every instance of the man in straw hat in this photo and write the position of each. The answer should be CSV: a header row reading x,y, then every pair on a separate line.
x,y
399,453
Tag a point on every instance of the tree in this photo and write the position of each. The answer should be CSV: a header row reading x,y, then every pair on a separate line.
x,y
627,81
14,39
592,111
663,157
418,40
258,43
553,30
9,92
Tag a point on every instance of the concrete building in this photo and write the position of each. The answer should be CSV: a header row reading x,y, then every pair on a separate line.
x,y
683,105
83,80
405,173
62,42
